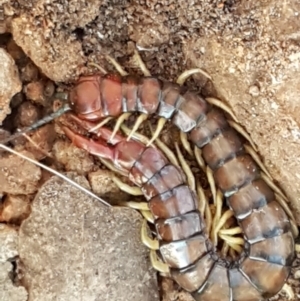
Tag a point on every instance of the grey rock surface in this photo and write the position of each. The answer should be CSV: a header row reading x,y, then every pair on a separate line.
x,y
8,291
73,248
8,251
8,243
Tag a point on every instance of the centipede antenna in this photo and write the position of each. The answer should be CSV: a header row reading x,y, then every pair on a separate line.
x,y
37,124
56,173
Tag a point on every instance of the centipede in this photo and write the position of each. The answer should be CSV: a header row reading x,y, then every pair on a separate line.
x,y
182,248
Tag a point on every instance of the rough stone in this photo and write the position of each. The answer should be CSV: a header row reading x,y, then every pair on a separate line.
x,y
14,208
73,248
8,291
73,158
62,64
10,83
16,180
103,185
8,243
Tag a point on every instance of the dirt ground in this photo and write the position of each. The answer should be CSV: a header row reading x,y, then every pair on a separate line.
x,y
251,50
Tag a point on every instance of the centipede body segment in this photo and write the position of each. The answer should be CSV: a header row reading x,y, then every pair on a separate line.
x,y
184,244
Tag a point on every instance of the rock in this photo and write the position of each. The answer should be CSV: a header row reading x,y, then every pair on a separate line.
x,y
10,83
14,208
43,139
8,243
103,186
8,291
59,61
74,158
74,248
16,180
27,114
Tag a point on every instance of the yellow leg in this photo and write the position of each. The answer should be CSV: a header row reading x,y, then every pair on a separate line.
x,y
116,65
111,167
158,265
186,74
211,182
221,221
208,218
231,231
148,216
225,249
185,143
250,150
186,168
160,126
294,227
273,186
138,60
126,130
98,67
165,149
141,206
119,122
137,124
199,159
100,124
152,244
217,218
203,202
242,131
218,103
133,190
233,240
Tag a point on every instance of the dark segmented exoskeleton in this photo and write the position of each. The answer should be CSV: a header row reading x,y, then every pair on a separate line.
x,y
182,240
269,249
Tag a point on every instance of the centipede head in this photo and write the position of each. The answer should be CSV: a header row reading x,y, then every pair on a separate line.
x,y
85,98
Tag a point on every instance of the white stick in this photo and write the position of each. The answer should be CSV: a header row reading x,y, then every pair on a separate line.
x,y
56,173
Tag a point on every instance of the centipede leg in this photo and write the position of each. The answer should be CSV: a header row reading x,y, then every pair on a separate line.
x,y
98,67
185,143
156,133
119,122
152,244
116,65
141,206
242,131
186,168
137,124
138,60
158,265
148,216
186,74
250,150
218,103
211,181
133,190
199,159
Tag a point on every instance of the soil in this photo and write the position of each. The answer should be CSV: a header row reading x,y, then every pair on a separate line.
x,y
251,50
